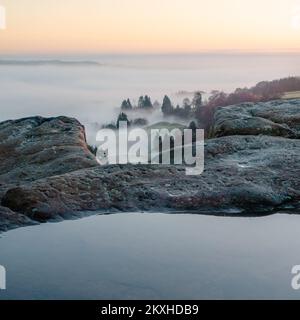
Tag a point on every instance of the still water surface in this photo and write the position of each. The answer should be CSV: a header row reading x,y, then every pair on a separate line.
x,y
153,256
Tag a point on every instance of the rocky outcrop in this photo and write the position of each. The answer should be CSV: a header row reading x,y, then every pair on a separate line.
x,y
244,174
36,147
10,219
275,118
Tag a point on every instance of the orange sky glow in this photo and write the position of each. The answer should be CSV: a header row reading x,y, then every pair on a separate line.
x,y
143,26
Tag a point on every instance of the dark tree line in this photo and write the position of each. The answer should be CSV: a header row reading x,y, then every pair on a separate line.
x,y
203,112
144,102
263,91
187,110
138,122
126,105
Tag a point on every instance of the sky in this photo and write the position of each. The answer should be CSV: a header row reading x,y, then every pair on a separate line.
x,y
149,26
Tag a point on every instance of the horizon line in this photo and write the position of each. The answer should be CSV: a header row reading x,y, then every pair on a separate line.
x,y
158,53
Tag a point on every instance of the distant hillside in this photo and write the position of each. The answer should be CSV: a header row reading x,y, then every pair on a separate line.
x,y
262,92
47,62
